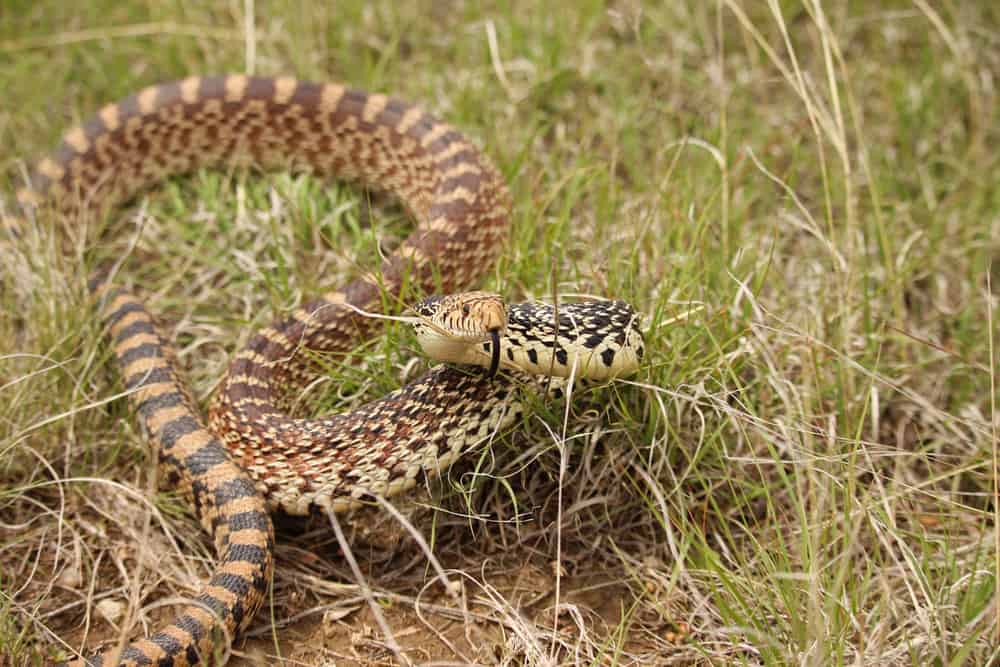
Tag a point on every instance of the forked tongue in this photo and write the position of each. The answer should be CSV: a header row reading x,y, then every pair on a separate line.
x,y
495,359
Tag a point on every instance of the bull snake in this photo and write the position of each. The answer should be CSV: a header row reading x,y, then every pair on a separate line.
x,y
253,457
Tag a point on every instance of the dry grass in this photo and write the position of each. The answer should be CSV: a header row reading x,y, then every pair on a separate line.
x,y
804,472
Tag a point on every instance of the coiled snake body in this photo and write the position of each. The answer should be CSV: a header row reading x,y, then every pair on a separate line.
x,y
462,210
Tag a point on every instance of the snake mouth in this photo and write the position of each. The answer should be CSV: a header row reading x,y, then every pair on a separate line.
x,y
495,353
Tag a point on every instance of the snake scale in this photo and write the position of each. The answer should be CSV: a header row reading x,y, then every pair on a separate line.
x,y
252,457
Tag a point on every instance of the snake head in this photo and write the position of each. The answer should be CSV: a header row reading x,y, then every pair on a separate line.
x,y
462,328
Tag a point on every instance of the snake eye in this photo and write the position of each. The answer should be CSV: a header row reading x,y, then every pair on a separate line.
x,y
465,309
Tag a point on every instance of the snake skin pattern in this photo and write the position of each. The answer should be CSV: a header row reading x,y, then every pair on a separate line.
x,y
462,209
592,340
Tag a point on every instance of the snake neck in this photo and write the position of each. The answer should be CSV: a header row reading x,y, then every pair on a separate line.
x,y
596,340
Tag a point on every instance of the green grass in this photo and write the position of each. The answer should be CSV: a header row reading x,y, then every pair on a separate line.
x,y
804,206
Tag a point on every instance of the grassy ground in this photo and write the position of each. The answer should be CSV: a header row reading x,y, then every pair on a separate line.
x,y
803,472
